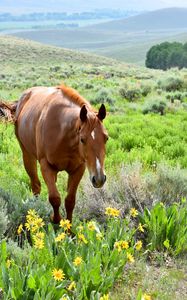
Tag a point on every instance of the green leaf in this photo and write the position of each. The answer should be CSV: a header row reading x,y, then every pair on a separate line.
x,y
166,244
31,283
3,251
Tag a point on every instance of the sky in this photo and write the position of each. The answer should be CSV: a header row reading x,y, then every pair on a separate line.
x,y
26,6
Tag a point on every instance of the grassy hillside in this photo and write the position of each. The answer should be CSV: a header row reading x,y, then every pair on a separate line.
x,y
135,227
163,19
127,40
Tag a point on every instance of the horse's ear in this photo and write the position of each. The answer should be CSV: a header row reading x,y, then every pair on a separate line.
x,y
83,113
102,112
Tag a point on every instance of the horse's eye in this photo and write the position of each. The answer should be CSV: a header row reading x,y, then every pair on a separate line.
x,y
82,141
106,138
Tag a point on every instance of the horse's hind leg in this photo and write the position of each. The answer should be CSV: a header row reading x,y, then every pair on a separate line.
x,y
50,177
30,164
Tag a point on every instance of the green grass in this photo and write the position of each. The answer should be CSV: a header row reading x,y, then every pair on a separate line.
x,y
149,139
158,281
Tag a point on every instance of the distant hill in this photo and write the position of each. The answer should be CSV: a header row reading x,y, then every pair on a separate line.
x,y
127,40
164,19
12,49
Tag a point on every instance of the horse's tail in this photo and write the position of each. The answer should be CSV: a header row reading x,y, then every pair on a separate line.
x,y
7,111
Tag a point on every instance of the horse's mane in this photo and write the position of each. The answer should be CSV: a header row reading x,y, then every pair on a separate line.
x,y
73,95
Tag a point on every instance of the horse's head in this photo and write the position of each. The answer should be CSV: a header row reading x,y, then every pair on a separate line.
x,y
92,140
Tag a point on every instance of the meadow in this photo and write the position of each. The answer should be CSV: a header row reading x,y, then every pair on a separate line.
x,y
130,238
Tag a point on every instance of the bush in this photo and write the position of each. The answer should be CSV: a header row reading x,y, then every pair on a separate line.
x,y
171,84
130,92
3,218
154,106
103,96
145,89
169,184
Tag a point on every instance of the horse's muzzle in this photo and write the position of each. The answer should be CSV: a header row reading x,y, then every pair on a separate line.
x,y
98,182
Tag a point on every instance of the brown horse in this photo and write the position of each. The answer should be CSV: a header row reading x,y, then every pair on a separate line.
x,y
58,127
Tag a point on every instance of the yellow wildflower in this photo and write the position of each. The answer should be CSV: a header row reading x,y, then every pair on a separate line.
x,y
124,245
39,235
64,298
65,224
138,245
91,226
112,212
8,263
34,222
72,286
104,297
121,245
117,245
60,237
58,275
38,223
146,297
77,261
133,212
38,243
99,236
140,227
82,238
130,258
31,213
20,229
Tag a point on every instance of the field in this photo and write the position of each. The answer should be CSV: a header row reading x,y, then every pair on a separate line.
x,y
130,238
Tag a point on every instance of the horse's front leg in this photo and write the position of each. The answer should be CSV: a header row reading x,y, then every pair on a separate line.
x,y
50,177
73,182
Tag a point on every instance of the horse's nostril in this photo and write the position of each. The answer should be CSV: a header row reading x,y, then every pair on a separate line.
x,y
93,180
104,178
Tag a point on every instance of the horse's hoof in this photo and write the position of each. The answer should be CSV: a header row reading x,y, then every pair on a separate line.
x,y
55,219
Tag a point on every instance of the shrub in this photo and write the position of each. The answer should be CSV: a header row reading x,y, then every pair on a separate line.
x,y
130,92
171,84
169,184
3,218
145,89
154,106
103,96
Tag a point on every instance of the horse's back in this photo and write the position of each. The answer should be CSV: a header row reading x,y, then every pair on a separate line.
x,y
44,118
32,104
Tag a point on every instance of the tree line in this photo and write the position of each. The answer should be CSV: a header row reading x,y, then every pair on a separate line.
x,y
167,55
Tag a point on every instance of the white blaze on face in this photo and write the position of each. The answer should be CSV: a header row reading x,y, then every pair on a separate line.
x,y
93,134
98,167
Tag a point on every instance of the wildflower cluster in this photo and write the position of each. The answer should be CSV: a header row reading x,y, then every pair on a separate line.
x,y
33,221
120,245
75,259
38,238
65,224
60,237
112,212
